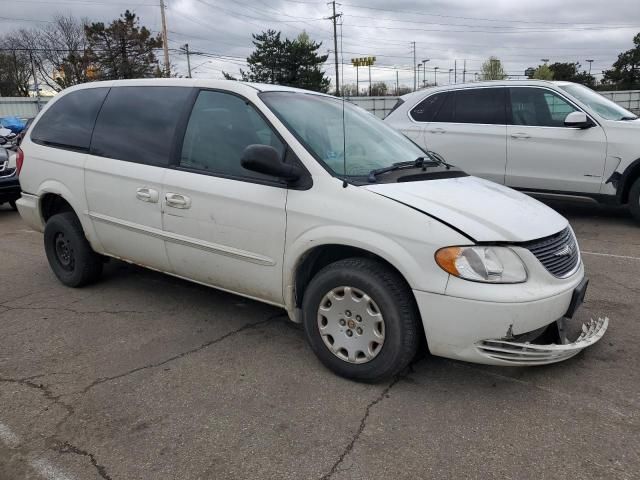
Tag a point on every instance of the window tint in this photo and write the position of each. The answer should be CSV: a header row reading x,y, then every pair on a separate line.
x,y
538,107
426,110
481,105
445,112
138,124
221,126
68,123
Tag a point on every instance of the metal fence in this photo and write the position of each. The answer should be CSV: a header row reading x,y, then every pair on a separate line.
x,y
380,106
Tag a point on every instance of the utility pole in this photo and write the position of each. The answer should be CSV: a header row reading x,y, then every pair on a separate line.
x,y
415,83
369,78
464,72
397,84
35,79
165,40
435,75
590,62
455,71
186,49
334,18
424,72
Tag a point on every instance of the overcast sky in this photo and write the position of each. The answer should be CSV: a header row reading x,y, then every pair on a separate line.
x,y
519,32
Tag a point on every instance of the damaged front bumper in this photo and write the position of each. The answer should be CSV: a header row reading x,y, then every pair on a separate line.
x,y
526,353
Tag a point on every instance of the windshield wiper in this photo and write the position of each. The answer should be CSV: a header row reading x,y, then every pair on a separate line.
x,y
438,158
419,162
629,118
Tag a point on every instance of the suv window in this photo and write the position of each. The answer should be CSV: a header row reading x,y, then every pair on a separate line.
x,y
68,123
480,105
221,126
138,124
538,107
426,110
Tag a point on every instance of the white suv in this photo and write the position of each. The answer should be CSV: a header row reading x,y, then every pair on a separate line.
x,y
253,189
548,138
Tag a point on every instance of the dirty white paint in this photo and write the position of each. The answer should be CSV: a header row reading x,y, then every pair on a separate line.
x,y
626,257
7,437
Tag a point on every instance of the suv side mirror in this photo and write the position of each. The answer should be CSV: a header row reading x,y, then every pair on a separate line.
x,y
266,160
577,120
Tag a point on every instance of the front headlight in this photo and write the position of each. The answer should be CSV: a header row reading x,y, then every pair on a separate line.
x,y
482,264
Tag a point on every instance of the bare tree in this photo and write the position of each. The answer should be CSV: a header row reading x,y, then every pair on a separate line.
x,y
15,68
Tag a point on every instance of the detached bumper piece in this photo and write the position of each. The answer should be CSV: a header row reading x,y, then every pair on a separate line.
x,y
517,353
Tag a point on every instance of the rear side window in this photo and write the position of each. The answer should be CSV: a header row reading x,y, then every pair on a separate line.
x,y
138,124
482,105
68,123
426,110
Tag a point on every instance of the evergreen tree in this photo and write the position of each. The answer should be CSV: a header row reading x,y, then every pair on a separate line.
x,y
123,49
294,63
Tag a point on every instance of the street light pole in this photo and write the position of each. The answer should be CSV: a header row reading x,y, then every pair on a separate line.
x,y
424,72
435,75
450,71
590,62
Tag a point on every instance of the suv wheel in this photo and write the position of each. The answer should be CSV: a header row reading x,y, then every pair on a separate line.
x,y
634,199
361,320
70,256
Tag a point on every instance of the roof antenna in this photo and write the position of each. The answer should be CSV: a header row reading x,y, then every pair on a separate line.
x,y
344,128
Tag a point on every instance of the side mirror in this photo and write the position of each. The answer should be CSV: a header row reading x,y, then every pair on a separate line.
x,y
266,160
577,120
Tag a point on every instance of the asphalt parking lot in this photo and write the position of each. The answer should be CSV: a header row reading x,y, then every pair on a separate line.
x,y
143,376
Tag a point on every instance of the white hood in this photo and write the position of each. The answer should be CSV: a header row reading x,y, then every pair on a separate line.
x,y
485,211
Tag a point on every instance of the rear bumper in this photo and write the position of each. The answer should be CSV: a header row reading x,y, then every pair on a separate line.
x,y
482,332
9,189
29,211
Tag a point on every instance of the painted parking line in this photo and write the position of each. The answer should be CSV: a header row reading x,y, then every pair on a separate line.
x,y
626,257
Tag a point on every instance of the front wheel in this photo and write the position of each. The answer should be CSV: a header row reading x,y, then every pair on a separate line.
x,y
634,199
361,320
70,256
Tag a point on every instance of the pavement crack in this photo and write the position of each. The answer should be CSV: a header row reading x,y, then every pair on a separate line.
x,y
179,355
77,312
363,423
67,447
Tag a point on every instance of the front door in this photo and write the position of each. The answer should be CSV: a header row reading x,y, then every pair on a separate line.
x,y
224,225
543,154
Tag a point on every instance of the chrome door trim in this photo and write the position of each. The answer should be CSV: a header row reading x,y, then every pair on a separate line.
x,y
184,240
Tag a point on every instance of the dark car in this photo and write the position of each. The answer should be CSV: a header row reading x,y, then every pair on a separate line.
x,y
9,185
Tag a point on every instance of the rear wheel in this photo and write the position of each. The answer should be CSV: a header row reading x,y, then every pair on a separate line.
x,y
70,256
634,199
361,320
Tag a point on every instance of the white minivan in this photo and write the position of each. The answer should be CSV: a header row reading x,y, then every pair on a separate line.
x,y
554,139
299,200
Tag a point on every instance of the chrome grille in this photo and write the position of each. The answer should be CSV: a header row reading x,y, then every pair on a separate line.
x,y
558,253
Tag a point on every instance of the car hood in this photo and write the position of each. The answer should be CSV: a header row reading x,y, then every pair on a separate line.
x,y
483,210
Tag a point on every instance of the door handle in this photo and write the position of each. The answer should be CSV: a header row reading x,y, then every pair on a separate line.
x,y
520,135
147,194
177,200
438,130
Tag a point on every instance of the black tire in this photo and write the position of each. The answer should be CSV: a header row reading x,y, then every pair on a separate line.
x,y
395,301
70,256
634,200
12,203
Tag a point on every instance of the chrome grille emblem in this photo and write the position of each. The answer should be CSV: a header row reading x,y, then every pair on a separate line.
x,y
564,251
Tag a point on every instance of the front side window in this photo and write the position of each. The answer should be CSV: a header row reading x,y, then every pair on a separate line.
x,y
364,143
538,107
68,123
481,106
221,126
138,124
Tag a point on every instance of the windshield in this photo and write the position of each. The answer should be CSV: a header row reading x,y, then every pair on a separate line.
x,y
317,122
599,104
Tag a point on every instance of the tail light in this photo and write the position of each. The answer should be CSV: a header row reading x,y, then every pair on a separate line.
x,y
19,160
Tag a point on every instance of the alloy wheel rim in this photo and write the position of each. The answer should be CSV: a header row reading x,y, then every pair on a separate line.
x,y
351,324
